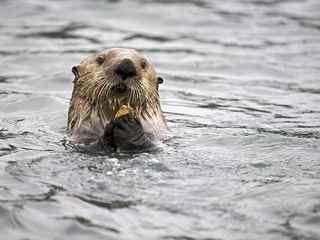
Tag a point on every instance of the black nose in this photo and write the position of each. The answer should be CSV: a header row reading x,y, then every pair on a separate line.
x,y
126,69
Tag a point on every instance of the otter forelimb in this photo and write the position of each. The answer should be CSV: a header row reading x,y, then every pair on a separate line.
x,y
126,133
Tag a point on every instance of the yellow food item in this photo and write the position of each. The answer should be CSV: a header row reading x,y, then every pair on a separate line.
x,y
125,110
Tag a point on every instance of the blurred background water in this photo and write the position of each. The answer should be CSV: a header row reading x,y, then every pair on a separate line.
x,y
242,100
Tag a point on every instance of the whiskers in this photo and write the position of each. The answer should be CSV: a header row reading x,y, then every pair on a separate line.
x,y
141,94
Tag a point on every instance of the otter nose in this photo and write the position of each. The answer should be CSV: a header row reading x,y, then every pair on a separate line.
x,y
126,69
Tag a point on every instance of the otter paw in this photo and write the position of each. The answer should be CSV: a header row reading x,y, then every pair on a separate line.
x,y
128,135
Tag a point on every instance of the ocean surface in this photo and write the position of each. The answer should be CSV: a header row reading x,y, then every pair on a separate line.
x,y
242,101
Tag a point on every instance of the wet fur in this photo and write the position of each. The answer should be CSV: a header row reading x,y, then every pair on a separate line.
x,y
93,104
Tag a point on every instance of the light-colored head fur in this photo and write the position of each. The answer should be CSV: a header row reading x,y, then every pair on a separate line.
x,y
94,102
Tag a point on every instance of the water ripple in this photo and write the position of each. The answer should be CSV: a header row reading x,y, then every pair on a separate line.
x,y
241,97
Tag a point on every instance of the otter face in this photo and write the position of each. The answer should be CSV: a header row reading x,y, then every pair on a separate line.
x,y
117,74
126,72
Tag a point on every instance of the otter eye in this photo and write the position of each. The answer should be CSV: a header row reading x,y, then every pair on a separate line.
x,y
143,63
100,60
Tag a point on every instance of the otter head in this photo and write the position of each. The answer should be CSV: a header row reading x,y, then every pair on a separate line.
x,y
106,81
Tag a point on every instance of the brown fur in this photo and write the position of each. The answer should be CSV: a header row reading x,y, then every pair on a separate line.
x,y
93,105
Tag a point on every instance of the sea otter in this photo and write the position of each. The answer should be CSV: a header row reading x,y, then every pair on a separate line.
x,y
115,101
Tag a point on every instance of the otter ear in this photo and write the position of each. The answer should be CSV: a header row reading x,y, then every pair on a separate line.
x,y
160,80
75,71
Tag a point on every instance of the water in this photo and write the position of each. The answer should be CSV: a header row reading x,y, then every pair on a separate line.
x,y
242,100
